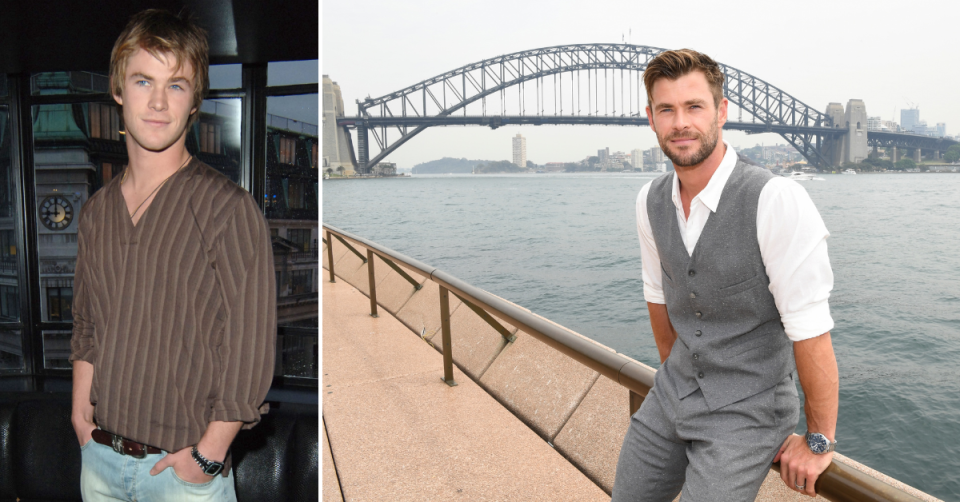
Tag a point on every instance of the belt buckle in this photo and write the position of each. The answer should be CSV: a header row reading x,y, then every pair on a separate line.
x,y
118,447
117,444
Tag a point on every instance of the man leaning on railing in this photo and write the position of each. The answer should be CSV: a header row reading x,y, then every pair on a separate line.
x,y
736,279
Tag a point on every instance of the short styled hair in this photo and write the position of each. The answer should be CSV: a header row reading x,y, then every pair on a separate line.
x,y
675,64
160,32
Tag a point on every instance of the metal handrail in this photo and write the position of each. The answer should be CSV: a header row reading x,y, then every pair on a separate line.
x,y
838,483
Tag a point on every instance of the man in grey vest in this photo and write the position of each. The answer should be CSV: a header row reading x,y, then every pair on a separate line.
x,y
736,278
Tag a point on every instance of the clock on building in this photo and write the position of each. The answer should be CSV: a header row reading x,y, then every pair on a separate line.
x,y
56,212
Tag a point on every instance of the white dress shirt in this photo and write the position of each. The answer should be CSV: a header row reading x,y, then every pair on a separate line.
x,y
793,245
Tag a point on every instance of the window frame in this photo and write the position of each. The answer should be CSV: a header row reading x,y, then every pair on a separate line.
x,y
20,102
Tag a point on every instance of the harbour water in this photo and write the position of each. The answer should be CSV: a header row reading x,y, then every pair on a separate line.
x,y
565,246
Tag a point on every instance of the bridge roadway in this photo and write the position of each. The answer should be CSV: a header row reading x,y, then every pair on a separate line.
x,y
496,121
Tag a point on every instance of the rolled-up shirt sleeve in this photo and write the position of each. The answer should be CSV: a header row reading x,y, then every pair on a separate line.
x,y
245,268
793,244
649,257
82,342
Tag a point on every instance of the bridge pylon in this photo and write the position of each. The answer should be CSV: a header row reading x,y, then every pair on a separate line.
x,y
337,146
852,146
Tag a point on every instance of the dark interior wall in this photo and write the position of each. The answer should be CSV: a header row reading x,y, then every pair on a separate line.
x,y
72,35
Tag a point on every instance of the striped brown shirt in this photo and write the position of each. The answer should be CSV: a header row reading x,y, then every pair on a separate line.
x,y
178,313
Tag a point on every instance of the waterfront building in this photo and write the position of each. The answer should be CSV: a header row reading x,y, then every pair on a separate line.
x,y
385,169
636,158
520,151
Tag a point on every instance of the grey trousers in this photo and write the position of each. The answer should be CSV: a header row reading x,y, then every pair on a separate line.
x,y
723,455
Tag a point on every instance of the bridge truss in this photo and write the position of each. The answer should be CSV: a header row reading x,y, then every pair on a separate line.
x,y
585,84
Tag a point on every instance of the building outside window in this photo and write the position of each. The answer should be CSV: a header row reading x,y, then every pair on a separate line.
x,y
59,304
300,237
104,121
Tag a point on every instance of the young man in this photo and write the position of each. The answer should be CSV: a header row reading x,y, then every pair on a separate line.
x,y
175,315
736,278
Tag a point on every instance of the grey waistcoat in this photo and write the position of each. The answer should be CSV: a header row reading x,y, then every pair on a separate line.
x,y
730,341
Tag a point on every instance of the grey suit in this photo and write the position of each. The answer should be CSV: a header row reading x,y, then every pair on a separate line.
x,y
725,399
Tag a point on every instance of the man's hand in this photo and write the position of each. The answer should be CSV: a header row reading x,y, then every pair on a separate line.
x,y
81,413
799,466
184,465
84,429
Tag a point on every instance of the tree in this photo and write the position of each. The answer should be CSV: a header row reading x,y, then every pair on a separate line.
x,y
905,164
340,170
329,170
952,155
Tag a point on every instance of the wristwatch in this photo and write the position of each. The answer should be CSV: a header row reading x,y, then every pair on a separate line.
x,y
210,468
819,444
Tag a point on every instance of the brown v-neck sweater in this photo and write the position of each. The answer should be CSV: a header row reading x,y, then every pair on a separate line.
x,y
178,313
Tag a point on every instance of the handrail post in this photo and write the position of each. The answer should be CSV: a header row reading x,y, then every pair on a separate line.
x,y
445,334
635,401
330,255
373,284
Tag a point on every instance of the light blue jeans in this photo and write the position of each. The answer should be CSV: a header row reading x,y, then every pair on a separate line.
x,y
106,475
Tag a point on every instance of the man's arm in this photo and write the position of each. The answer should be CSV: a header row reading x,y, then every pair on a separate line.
x,y
663,332
245,256
817,369
82,414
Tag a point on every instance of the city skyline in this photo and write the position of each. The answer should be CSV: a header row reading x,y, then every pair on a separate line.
x,y
816,62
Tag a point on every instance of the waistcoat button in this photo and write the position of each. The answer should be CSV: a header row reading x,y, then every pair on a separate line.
x,y
693,295
700,375
699,314
698,333
692,273
696,356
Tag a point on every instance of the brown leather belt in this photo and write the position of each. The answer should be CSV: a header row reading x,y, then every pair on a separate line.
x,y
123,446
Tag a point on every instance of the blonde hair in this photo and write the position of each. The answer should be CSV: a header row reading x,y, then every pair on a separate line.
x,y
675,64
160,32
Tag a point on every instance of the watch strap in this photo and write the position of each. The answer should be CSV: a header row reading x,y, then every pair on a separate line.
x,y
209,467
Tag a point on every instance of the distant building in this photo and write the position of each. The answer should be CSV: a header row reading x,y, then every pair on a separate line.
x,y
604,155
636,158
909,119
385,169
520,151
874,124
941,129
553,167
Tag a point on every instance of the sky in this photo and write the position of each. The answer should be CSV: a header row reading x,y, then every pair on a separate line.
x,y
890,54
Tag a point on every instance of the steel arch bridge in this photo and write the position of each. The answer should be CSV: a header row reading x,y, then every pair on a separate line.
x,y
589,73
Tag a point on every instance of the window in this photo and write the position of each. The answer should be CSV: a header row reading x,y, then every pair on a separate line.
x,y
8,246
104,121
209,137
301,282
313,156
9,303
300,237
59,304
288,147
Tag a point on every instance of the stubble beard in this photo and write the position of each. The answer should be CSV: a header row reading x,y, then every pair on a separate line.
x,y
689,158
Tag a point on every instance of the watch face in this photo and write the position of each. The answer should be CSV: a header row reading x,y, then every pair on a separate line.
x,y
56,212
213,469
818,443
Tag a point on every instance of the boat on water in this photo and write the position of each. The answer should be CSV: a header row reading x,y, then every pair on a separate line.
x,y
799,176
849,171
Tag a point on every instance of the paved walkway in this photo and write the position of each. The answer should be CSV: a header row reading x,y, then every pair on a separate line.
x,y
397,432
